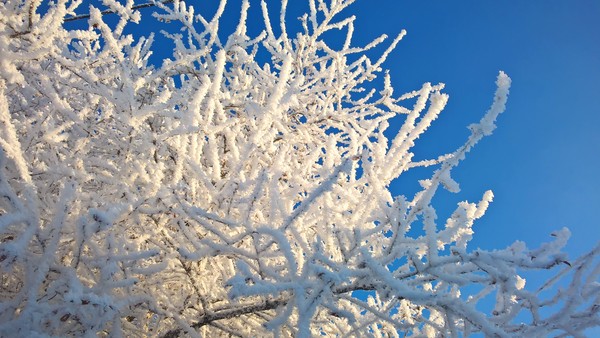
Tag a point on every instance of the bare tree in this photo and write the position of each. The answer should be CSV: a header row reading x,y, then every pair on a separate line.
x,y
213,195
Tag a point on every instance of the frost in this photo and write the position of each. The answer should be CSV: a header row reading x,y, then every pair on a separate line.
x,y
225,193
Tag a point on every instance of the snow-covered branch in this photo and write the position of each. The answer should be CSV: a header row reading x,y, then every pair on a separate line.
x,y
224,193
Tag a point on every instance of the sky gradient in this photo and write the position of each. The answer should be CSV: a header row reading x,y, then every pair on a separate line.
x,y
543,159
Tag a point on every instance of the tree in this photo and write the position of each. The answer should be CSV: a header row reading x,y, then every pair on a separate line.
x,y
220,195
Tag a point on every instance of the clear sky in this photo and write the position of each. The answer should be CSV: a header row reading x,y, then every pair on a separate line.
x,y
543,160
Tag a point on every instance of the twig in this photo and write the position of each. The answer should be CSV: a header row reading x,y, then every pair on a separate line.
x,y
110,11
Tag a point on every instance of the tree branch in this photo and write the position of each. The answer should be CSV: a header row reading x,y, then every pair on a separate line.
x,y
230,313
110,11
227,313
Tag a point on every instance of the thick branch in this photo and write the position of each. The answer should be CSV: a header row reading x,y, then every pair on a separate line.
x,y
228,313
231,313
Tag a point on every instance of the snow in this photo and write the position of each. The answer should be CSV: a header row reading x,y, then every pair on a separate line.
x,y
217,194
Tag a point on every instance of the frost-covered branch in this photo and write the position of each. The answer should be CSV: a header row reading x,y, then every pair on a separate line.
x,y
111,11
217,195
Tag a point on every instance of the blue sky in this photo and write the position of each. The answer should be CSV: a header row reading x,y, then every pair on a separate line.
x,y
542,162
543,159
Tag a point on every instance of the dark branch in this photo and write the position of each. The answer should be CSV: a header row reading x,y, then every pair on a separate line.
x,y
110,11
230,313
253,308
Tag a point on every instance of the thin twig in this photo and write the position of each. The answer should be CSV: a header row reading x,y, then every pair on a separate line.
x,y
110,11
